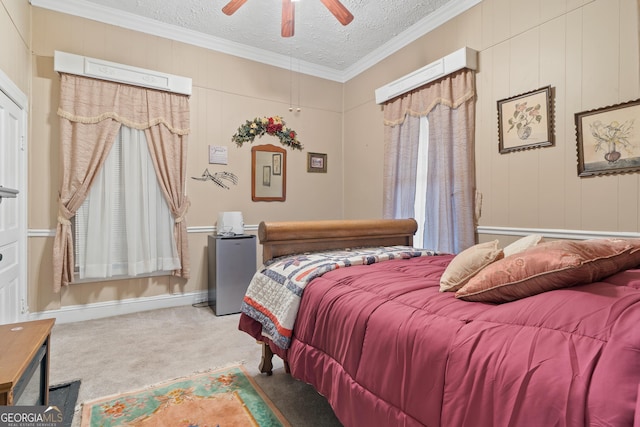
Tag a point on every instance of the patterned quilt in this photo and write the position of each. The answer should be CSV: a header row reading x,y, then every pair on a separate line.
x,y
274,294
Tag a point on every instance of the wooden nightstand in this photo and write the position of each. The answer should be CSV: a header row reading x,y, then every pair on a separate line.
x,y
24,362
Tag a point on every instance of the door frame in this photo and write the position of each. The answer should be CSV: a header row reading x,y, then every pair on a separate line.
x,y
9,88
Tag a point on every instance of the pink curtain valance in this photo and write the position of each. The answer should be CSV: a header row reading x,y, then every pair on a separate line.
x,y
90,101
452,91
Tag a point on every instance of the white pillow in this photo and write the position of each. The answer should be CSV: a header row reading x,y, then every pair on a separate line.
x,y
522,244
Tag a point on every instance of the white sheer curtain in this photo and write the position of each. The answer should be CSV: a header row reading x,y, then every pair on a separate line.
x,y
125,227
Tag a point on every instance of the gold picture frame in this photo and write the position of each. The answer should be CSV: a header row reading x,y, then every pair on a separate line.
x,y
525,121
608,141
317,162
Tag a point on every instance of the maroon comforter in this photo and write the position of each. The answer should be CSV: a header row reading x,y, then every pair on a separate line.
x,y
387,348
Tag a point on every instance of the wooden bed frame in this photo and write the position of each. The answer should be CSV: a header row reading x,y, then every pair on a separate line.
x,y
287,238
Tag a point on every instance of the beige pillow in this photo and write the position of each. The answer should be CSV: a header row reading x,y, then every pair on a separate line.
x,y
551,265
522,244
467,264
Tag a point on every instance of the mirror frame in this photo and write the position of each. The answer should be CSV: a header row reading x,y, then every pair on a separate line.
x,y
269,148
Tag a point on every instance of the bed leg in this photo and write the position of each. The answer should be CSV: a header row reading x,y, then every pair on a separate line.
x,y
266,364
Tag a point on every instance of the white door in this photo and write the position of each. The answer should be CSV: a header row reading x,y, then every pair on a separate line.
x,y
12,217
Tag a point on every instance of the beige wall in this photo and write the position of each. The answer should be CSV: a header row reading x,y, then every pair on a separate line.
x,y
15,42
226,91
586,50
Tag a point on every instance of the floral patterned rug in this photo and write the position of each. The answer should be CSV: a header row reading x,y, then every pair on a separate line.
x,y
227,397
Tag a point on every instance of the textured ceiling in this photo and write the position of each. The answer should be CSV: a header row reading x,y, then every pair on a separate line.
x,y
319,41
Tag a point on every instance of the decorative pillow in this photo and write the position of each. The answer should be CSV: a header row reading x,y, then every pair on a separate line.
x,y
467,264
551,265
522,244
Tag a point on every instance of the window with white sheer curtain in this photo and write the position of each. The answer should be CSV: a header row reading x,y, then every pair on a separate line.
x,y
125,227
151,129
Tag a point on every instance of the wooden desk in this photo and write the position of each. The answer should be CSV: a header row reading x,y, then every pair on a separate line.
x,y
21,353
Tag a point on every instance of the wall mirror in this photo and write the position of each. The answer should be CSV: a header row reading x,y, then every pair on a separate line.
x,y
268,173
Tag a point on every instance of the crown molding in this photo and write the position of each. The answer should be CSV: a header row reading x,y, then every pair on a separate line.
x,y
134,22
427,24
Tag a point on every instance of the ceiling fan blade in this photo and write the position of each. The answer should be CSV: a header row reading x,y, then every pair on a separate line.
x,y
339,11
231,7
288,18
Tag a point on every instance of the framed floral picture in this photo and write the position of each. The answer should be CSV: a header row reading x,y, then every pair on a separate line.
x,y
608,139
525,121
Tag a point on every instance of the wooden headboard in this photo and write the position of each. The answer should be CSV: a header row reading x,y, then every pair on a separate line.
x,y
286,238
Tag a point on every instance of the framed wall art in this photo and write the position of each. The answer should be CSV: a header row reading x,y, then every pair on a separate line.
x,y
608,139
277,164
316,162
525,121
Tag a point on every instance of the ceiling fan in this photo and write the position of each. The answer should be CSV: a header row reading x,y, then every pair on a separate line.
x,y
288,11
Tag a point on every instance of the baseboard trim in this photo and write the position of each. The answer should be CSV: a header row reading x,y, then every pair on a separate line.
x,y
82,312
556,233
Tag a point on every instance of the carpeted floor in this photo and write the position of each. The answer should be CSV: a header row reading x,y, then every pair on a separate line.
x,y
123,353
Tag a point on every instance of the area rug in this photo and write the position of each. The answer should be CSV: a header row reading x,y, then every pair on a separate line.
x,y
227,397
64,397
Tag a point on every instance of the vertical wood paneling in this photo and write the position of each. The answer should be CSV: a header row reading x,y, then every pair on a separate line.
x,y
524,76
573,103
487,130
601,54
500,23
629,184
499,162
524,62
552,9
552,161
524,15
601,87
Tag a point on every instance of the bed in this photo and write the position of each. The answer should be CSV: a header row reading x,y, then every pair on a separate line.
x,y
548,335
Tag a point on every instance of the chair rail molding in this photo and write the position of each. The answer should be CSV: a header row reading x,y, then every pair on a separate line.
x,y
557,233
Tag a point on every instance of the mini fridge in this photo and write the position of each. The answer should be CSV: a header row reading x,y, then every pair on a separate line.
x,y
232,264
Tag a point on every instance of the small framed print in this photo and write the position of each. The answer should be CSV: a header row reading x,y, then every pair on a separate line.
x,y
525,121
276,161
316,162
608,141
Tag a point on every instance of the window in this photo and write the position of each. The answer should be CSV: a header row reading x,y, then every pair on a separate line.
x,y
94,115
124,228
429,161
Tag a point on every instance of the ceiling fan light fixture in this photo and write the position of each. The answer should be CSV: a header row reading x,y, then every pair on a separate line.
x,y
288,13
